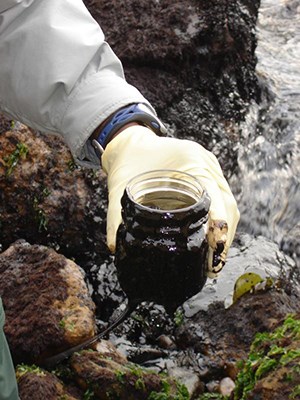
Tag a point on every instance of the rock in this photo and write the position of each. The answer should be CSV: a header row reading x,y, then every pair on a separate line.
x,y
102,374
226,386
280,385
248,254
271,370
213,386
172,46
188,378
166,342
107,350
108,379
45,198
37,384
223,336
47,304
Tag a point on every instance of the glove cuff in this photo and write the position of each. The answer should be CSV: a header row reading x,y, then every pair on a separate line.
x,y
137,112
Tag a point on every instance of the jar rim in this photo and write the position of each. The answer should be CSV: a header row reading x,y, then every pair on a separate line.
x,y
187,184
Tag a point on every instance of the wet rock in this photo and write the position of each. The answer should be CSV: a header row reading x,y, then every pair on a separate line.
x,y
271,370
190,44
223,336
190,379
37,384
108,379
226,386
99,373
248,254
6,123
146,324
45,198
213,386
166,342
47,304
107,350
104,286
280,385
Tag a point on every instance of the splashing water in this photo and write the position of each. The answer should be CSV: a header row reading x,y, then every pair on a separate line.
x,y
267,185
269,161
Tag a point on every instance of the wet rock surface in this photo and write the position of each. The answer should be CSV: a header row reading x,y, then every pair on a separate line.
x,y
39,384
271,370
98,376
224,336
109,379
46,301
45,198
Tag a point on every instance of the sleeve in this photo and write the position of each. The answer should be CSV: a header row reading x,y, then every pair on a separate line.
x,y
8,383
58,74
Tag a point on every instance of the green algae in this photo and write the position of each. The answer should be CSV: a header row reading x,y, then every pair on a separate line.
x,y
268,352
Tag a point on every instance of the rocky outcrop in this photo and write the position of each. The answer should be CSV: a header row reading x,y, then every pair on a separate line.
x,y
46,301
271,370
45,198
224,336
37,384
108,379
194,60
98,376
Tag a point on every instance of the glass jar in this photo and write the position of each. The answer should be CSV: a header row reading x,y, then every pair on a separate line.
x,y
161,250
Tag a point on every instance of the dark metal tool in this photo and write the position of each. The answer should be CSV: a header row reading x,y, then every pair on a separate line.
x,y
50,362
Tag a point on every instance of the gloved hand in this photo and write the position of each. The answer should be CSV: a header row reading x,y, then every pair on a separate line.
x,y
137,149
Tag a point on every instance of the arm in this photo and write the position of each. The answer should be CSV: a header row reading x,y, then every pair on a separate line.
x,y
57,72
59,75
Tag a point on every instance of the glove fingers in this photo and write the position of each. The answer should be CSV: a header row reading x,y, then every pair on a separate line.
x,y
114,217
223,219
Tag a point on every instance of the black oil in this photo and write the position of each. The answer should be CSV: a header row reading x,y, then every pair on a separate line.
x,y
161,251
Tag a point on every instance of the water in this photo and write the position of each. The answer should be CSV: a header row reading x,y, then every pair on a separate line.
x,y
258,255
267,186
269,161
165,190
166,200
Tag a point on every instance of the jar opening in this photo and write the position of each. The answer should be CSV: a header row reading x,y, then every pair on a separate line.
x,y
165,190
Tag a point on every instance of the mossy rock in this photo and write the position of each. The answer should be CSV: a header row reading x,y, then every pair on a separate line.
x,y
272,370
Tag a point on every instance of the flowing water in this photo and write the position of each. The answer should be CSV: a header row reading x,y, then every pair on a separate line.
x,y
269,160
267,186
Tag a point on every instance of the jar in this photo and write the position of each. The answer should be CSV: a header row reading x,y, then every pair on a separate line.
x,y
161,248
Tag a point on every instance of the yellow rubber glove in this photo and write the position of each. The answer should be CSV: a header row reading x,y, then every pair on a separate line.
x,y
137,149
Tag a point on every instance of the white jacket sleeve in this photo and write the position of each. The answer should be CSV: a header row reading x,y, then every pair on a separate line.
x,y
57,73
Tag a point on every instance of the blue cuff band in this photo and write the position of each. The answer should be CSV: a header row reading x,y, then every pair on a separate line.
x,y
132,113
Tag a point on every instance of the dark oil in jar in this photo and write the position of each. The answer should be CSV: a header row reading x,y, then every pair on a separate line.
x,y
161,252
